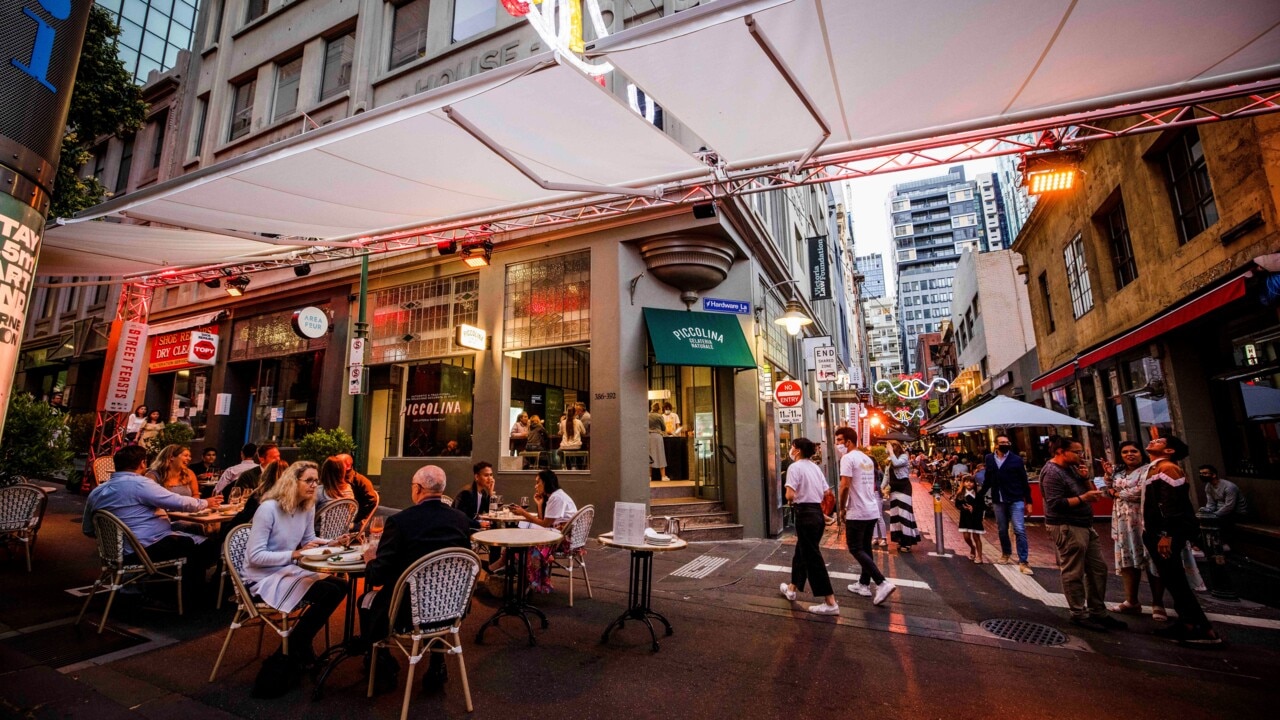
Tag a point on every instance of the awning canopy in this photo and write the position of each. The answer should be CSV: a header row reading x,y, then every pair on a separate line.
x,y
696,338
1003,411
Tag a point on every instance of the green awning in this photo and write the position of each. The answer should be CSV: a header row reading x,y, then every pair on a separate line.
x,y
698,338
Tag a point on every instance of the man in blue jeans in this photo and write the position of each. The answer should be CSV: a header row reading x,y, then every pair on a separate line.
x,y
1006,481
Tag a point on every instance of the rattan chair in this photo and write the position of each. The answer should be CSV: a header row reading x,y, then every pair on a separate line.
x,y
249,608
112,533
438,588
446,500
334,519
102,469
21,513
576,532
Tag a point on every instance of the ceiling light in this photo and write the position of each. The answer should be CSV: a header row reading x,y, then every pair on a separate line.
x,y
794,318
302,270
237,285
213,284
478,255
1051,172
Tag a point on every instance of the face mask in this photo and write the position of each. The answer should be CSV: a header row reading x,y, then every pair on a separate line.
x,y
1005,448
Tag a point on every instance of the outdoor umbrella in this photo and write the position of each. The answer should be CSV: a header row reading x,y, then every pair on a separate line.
x,y
1006,412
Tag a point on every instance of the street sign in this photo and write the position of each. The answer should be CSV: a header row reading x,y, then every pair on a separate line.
x,y
738,307
788,395
825,363
356,355
355,380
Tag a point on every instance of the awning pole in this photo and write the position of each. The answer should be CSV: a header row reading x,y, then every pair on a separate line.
x,y
758,35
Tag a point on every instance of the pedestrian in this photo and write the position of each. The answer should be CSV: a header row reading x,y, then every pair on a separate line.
x,y
134,425
1069,515
971,509
1126,531
859,500
657,451
806,485
902,518
1168,523
1005,482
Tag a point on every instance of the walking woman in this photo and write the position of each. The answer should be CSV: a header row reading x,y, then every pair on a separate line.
x,y
1126,531
806,484
902,518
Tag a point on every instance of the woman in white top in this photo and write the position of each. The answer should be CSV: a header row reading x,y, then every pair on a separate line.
x,y
283,526
571,432
135,423
806,484
555,508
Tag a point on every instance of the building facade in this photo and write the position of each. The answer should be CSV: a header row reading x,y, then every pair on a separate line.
x,y
1146,300
152,32
997,233
883,334
872,269
991,320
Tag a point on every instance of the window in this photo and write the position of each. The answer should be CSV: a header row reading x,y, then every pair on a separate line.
x,y
1117,225
472,17
955,196
544,383
901,205
338,54
100,163
902,230
126,166
409,32
959,221
417,321
197,134
1044,298
1078,277
437,413
287,76
242,108
254,9
1189,188
157,143
548,302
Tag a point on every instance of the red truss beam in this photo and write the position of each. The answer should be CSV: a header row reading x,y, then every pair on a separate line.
x,y
1250,100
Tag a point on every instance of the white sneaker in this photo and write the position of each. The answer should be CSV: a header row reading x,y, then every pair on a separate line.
x,y
860,589
883,592
824,609
788,594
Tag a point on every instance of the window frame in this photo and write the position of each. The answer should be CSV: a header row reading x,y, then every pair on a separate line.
x,y
349,39
251,86
1078,283
420,45
1114,221
1043,281
1201,206
296,82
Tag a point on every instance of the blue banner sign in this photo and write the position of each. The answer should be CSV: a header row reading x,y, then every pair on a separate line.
x,y
738,307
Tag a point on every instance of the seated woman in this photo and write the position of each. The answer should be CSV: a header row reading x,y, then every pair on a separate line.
x,y
335,483
555,507
283,526
171,472
536,440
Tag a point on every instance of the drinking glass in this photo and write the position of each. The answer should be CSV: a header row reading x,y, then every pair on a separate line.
x,y
236,494
524,502
376,525
495,501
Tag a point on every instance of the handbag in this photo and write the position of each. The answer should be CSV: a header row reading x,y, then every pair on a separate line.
x,y
828,502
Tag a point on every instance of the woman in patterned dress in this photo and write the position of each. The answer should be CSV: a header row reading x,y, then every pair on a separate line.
x,y
902,518
1126,531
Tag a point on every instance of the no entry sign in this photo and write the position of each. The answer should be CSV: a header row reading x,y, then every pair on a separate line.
x,y
788,395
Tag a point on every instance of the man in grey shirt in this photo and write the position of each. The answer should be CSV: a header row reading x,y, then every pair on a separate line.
x,y
1224,499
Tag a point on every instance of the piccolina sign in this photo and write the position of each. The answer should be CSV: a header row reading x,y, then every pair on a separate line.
x,y
39,49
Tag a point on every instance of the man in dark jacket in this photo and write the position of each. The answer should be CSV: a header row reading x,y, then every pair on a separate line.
x,y
424,527
1005,480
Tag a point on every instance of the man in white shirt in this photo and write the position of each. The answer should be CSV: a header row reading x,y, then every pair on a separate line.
x,y
859,498
248,459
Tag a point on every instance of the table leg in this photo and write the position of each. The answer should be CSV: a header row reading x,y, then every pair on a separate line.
x,y
333,656
514,591
639,594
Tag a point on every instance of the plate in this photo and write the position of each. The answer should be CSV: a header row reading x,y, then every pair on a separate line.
x,y
353,562
316,552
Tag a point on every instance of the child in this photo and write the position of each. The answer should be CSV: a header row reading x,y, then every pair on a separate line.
x,y
971,509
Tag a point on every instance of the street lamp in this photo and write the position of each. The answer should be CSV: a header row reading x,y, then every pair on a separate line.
x,y
793,317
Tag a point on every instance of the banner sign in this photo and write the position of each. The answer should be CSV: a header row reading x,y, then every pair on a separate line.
x,y
173,351
127,347
819,270
20,229
825,365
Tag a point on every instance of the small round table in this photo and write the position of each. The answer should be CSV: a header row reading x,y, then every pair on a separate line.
x,y
638,593
517,541
335,654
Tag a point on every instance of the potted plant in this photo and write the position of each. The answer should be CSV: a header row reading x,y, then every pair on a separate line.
x,y
36,442
321,444
174,433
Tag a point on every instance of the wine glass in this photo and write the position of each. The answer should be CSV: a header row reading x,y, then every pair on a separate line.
x,y
236,495
524,502
495,501
376,525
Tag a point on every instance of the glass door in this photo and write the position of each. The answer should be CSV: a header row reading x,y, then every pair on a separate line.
x,y
700,392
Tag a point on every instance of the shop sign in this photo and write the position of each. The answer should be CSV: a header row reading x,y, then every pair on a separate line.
x,y
128,340
437,410
310,323
203,348
819,270
470,336
173,351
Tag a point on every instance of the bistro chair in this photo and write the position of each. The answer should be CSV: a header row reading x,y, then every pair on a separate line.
x,y
248,607
334,519
102,469
446,500
438,588
111,534
576,532
21,513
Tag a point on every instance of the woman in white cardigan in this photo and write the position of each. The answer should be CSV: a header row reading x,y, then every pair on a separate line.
x,y
283,525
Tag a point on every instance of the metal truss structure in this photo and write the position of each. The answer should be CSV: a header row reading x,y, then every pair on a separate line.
x,y
109,427
1073,130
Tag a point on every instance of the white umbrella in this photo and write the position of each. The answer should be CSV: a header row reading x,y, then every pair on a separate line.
x,y
1006,412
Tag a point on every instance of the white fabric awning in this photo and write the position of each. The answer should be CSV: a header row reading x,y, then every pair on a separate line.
x,y
881,73
1005,412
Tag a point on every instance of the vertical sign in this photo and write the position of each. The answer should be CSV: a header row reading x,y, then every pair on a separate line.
x,y
126,348
819,271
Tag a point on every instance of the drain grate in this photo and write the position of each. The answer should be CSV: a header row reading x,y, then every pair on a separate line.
x,y
64,645
1022,631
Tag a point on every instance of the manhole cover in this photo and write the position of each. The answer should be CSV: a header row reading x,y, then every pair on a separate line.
x,y
1022,631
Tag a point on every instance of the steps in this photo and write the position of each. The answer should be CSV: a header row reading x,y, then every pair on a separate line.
x,y
700,520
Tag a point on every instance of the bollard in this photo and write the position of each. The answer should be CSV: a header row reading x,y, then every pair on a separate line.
x,y
940,542
1220,585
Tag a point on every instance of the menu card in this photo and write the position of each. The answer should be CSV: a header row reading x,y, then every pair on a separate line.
x,y
629,522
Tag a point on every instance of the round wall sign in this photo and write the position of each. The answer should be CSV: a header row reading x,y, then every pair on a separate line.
x,y
788,393
310,322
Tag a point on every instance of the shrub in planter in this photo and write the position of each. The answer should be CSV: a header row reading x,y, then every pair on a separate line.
x,y
174,433
36,440
81,427
320,444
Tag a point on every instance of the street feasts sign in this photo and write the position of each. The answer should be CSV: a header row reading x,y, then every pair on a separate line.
x,y
129,342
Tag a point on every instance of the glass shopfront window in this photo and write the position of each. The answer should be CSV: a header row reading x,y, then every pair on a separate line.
x,y
283,372
436,421
1248,406
190,402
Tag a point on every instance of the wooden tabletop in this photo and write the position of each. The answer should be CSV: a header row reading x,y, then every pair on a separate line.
x,y
221,515
518,537
676,544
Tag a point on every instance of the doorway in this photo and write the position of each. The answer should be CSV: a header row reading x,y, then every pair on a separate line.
x,y
693,440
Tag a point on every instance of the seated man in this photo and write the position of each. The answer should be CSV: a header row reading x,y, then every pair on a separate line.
x,y
424,527
140,503
1224,499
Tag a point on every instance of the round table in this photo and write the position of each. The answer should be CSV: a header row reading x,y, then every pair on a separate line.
x,y
502,518
517,541
638,593
335,654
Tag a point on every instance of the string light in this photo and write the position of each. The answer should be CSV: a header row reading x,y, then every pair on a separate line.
x,y
913,388
559,24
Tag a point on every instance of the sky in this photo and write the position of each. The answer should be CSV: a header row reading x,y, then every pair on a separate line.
x,y
870,208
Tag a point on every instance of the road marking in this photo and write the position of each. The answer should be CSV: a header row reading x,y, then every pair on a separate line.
x,y
849,576
700,567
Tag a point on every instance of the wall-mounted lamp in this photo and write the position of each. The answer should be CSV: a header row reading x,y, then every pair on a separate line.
x,y
237,285
477,255
794,318
302,270
213,284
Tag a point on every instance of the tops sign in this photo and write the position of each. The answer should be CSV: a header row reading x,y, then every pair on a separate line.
x,y
310,323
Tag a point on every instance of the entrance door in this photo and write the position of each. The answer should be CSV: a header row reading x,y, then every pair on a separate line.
x,y
702,411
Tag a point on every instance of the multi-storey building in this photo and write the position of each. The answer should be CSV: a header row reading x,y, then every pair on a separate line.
x,y
995,221
153,32
991,321
883,333
1017,203
872,269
